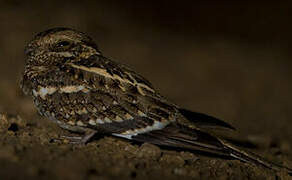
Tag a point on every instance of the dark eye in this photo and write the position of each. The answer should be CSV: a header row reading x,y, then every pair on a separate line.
x,y
63,44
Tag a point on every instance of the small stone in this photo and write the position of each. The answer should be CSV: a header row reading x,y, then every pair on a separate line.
x,y
172,159
4,124
149,151
188,157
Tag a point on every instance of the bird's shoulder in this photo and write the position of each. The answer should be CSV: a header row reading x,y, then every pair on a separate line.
x,y
112,75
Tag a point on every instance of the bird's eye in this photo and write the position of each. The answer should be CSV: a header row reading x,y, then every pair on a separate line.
x,y
63,44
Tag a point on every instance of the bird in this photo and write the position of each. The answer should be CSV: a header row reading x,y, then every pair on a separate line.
x,y
73,84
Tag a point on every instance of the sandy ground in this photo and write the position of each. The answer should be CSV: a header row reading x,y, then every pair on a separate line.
x,y
246,81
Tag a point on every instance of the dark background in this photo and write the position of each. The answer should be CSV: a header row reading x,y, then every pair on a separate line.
x,y
228,59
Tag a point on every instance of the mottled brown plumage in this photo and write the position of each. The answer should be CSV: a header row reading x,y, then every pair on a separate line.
x,y
73,84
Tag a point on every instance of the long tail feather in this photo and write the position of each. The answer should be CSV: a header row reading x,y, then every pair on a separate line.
x,y
250,157
193,139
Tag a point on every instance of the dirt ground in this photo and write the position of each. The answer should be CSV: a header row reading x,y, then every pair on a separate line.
x,y
231,61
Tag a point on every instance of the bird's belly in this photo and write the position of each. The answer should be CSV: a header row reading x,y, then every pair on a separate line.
x,y
43,110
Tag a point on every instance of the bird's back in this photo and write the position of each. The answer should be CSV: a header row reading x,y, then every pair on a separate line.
x,y
101,94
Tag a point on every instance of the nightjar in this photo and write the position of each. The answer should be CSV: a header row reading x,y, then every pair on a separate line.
x,y
74,85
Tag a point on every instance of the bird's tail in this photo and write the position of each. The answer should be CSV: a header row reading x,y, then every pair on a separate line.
x,y
253,158
182,137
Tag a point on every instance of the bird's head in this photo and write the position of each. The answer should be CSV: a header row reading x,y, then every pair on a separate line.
x,y
59,45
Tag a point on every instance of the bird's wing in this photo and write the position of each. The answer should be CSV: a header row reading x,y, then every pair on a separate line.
x,y
99,94
179,136
136,94
204,121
